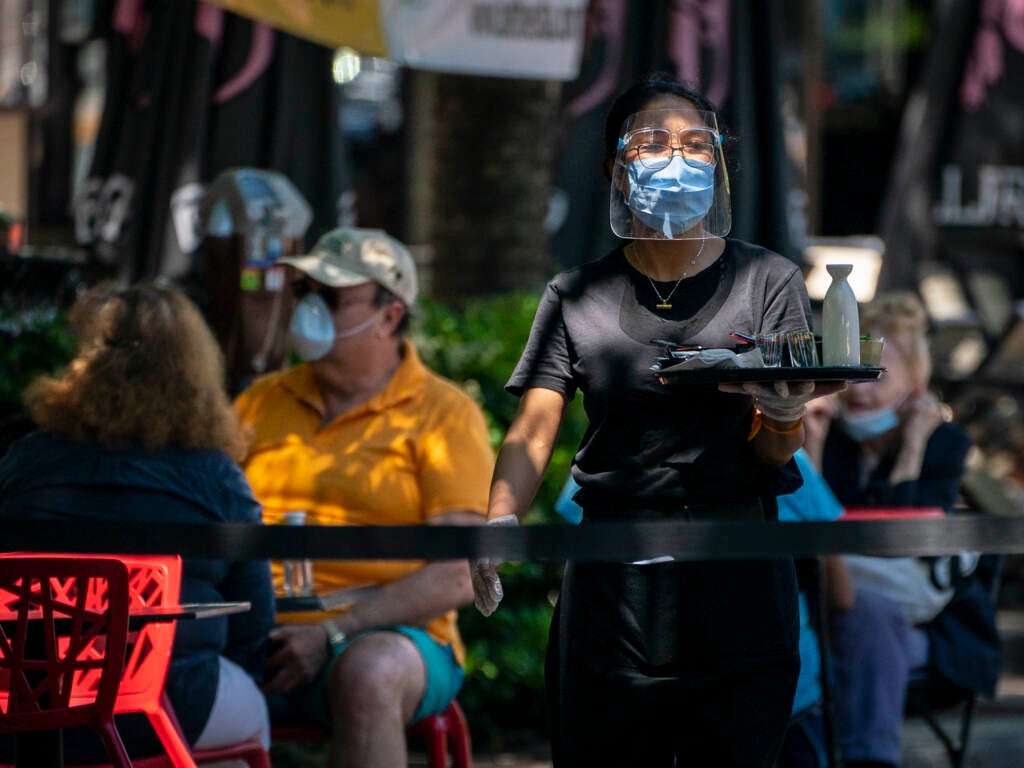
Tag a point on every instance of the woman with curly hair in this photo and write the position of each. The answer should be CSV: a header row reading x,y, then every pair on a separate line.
x,y
138,428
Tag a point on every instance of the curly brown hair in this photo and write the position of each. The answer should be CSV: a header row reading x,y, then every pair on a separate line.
x,y
148,374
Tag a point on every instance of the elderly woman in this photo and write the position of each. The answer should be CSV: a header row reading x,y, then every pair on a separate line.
x,y
663,663
138,428
891,447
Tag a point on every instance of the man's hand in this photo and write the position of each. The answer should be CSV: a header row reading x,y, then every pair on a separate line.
x,y
299,652
487,591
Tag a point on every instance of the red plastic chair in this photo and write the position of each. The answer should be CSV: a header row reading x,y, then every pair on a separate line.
x,y
443,732
447,730
73,678
155,580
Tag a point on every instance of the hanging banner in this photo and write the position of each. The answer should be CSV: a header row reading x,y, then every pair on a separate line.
x,y
503,38
535,39
336,23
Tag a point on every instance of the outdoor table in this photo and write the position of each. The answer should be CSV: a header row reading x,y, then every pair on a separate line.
x,y
44,749
327,601
138,617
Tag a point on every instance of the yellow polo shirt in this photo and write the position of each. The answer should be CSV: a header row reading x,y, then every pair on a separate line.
x,y
416,449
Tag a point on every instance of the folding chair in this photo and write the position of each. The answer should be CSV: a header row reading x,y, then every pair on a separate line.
x,y
928,694
61,661
443,732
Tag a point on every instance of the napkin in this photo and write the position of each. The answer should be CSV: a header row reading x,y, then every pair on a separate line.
x,y
713,358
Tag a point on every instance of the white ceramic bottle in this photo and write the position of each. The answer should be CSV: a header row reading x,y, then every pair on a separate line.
x,y
840,338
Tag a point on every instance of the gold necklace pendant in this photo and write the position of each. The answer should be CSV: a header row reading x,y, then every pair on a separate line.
x,y
663,301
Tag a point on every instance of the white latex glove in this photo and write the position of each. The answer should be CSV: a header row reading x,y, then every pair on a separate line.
x,y
487,592
781,400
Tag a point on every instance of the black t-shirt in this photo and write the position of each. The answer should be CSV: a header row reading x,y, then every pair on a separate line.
x,y
650,446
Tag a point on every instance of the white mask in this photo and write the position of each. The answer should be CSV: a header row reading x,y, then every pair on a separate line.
x,y
312,328
359,328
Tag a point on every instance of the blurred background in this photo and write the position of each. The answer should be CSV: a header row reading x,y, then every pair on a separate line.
x,y
888,134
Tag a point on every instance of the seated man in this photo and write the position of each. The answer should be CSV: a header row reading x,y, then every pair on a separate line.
x,y
363,434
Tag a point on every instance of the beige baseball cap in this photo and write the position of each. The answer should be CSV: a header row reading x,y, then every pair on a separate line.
x,y
353,256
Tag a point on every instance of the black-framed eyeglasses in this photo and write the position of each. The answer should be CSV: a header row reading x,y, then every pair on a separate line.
x,y
654,149
332,297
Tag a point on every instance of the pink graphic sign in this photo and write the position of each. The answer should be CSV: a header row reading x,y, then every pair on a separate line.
x,y
1001,23
699,29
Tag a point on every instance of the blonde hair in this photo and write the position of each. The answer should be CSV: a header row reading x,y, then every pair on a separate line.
x,y
901,319
148,374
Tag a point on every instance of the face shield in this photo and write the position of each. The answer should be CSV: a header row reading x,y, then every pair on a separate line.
x,y
669,181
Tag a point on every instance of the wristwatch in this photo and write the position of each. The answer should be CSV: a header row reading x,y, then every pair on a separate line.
x,y
335,637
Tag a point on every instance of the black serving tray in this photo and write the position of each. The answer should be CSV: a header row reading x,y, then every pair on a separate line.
x,y
674,374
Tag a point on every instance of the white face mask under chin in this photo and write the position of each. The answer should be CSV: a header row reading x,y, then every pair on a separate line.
x,y
869,425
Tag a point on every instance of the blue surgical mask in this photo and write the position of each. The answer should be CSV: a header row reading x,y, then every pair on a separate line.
x,y
673,199
869,424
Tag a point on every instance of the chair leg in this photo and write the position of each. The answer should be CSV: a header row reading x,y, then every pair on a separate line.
x,y
114,746
936,728
176,748
458,741
258,759
461,757
437,744
960,757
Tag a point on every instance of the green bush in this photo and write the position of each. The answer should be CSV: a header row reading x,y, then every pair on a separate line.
x,y
478,346
31,342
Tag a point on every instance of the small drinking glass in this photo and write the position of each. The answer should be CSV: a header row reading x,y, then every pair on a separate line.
x,y
871,350
770,345
803,350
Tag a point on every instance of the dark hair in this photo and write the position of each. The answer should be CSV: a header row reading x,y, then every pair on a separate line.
x,y
636,96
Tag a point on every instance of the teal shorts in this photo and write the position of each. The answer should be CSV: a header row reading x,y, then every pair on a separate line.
x,y
444,679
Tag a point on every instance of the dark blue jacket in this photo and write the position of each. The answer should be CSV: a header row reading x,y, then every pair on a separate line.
x,y
50,478
937,486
